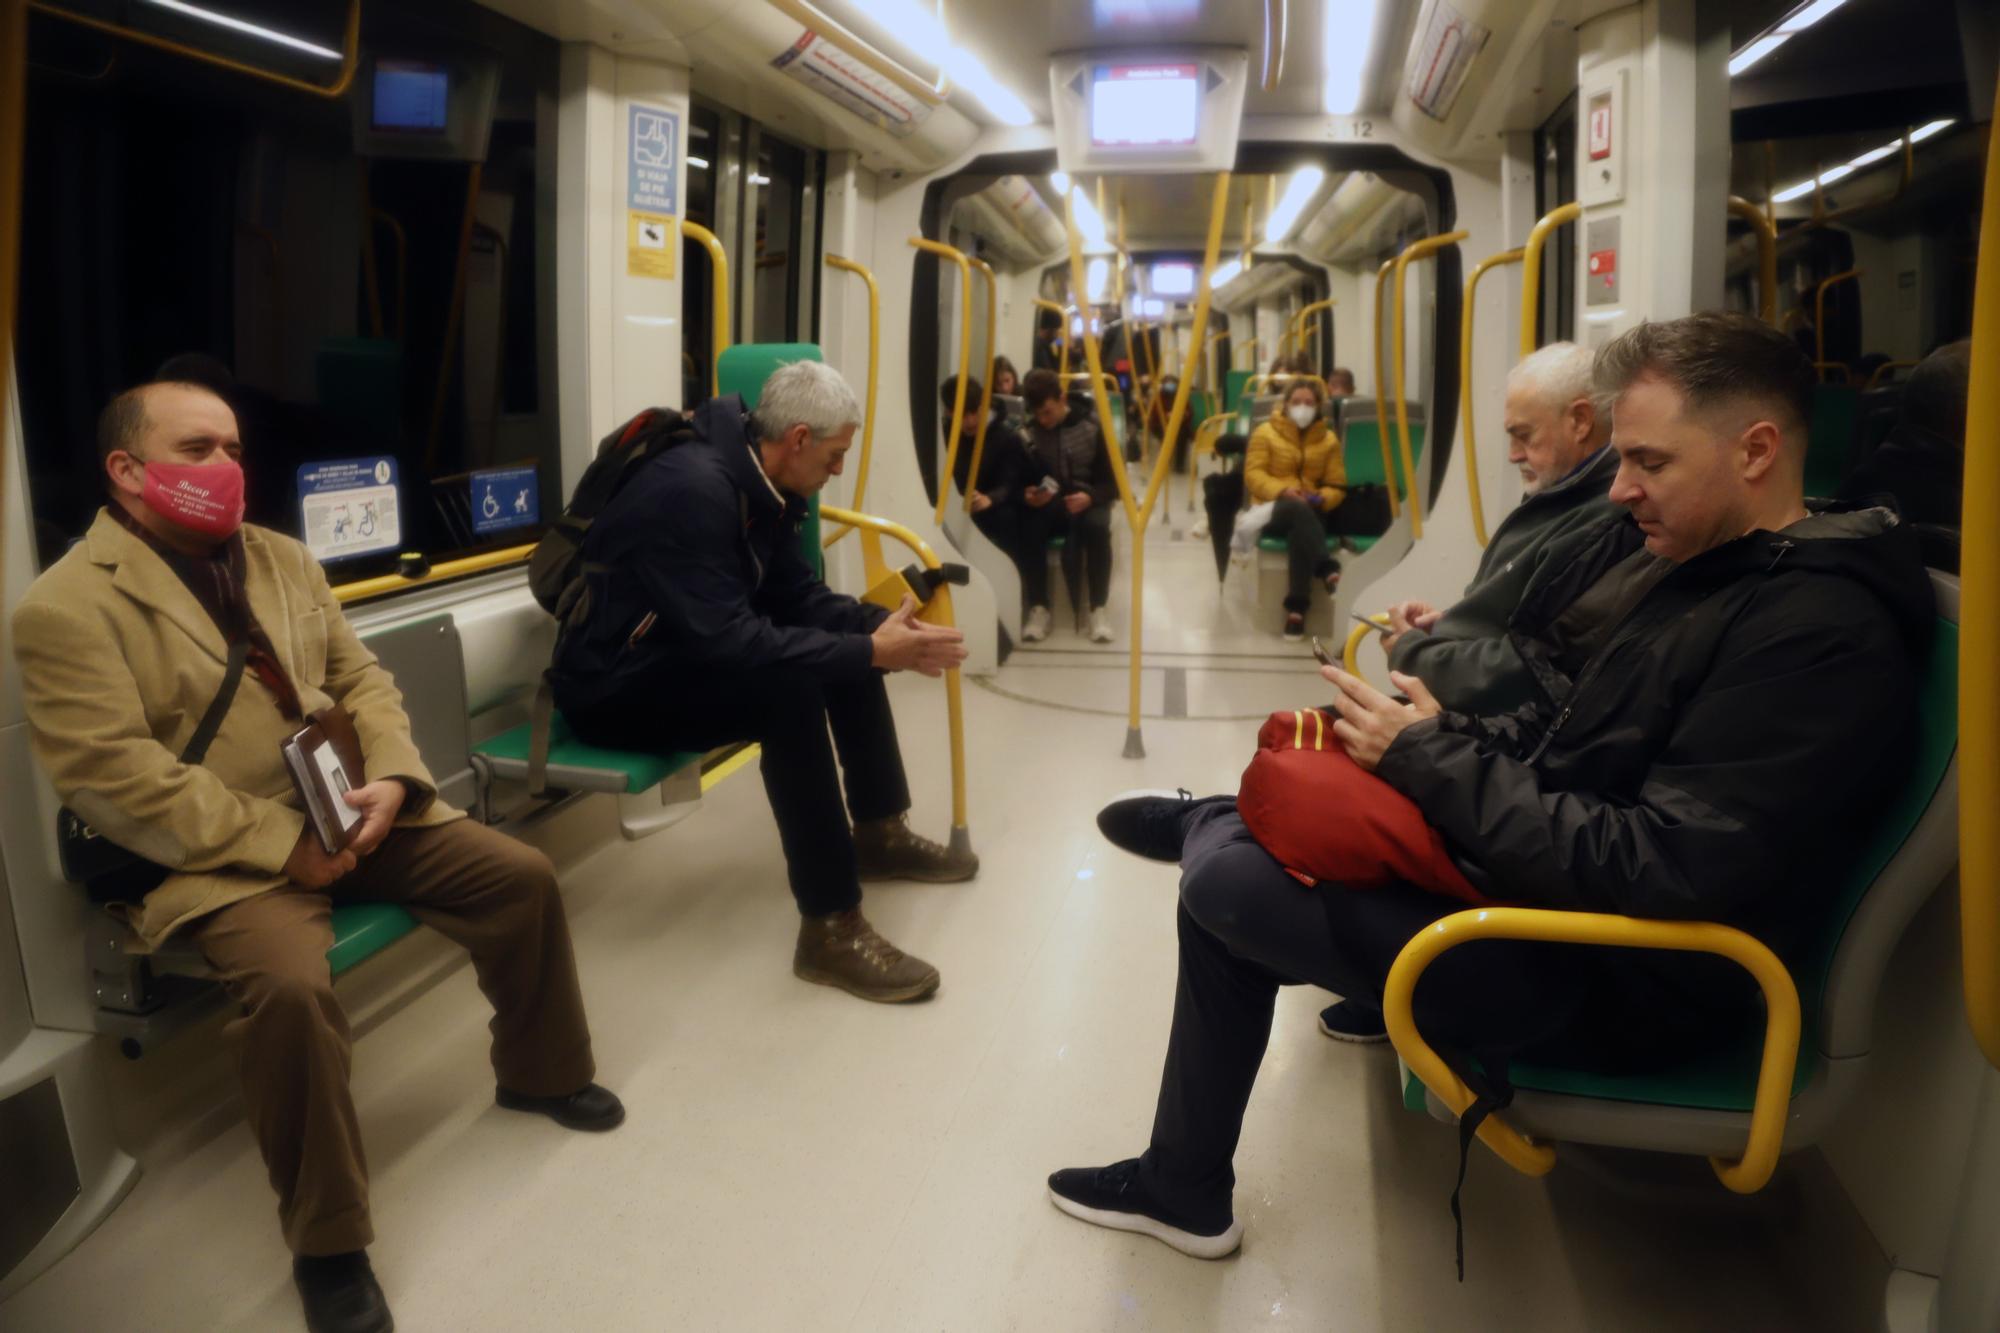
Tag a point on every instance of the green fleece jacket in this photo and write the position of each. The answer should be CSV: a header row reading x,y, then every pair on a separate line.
x,y
1466,659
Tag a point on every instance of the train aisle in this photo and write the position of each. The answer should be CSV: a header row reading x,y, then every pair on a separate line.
x,y
797,1159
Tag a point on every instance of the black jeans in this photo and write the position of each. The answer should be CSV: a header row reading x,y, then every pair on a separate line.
x,y
786,711
1089,535
1005,525
1304,529
1246,928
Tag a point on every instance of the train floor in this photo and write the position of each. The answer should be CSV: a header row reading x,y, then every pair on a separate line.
x,y
795,1158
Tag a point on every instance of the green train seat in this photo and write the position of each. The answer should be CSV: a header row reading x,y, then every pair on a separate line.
x,y
1702,1106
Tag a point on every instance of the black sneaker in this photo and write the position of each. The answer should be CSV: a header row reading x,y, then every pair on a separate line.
x,y
1295,626
1348,1021
1149,822
1110,1196
340,1294
590,1108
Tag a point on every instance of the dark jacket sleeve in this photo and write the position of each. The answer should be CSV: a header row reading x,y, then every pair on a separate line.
x,y
690,571
1752,777
1103,480
797,597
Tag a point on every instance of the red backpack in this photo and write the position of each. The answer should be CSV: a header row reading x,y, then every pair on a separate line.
x,y
1326,819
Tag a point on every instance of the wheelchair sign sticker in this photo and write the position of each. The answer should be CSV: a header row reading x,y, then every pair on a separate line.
x,y
349,508
506,497
652,173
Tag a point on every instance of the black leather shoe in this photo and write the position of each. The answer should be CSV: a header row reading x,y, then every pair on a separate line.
x,y
340,1294
1151,824
592,1108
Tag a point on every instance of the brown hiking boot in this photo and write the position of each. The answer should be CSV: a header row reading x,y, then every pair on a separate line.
x,y
889,849
843,950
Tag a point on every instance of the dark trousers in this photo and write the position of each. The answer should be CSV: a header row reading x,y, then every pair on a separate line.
x,y
1005,525
1304,529
483,890
1087,552
787,712
1247,928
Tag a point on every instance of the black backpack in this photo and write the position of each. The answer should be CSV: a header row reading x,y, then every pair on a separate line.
x,y
556,569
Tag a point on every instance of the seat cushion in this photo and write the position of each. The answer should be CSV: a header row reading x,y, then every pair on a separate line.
x,y
361,929
572,762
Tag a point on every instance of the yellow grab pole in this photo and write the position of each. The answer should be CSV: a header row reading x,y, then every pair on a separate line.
x,y
1093,356
986,402
938,612
1768,1112
482,563
350,56
1979,649
13,115
1382,393
718,298
1306,312
1430,245
1465,383
874,359
1766,233
1819,313
944,251
1531,268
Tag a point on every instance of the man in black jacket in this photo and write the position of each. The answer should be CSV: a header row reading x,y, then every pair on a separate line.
x,y
1710,651
707,626
1068,451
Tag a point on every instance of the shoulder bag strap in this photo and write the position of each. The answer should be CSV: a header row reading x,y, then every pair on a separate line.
x,y
211,721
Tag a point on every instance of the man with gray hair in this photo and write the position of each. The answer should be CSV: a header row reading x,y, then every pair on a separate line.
x,y
708,625
1557,426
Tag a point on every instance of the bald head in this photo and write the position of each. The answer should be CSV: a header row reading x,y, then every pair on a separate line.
x,y
165,421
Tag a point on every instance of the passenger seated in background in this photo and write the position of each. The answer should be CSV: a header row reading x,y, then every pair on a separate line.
x,y
1070,491
1709,652
1006,380
707,625
1340,383
122,645
997,509
1922,462
1558,425
1294,460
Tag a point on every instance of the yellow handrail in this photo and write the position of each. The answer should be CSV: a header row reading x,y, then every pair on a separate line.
x,y
718,298
1382,394
1883,369
1429,245
939,612
1766,233
1531,267
1306,312
1819,312
1748,1174
1275,23
1821,217
1979,649
1137,515
1063,312
1350,655
1208,367
943,251
874,356
986,403
445,569
1249,349
13,115
1465,382
350,50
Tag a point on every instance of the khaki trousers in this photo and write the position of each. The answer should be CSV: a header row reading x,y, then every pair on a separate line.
x,y
479,888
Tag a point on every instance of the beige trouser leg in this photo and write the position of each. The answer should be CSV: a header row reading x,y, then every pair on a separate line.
x,y
495,896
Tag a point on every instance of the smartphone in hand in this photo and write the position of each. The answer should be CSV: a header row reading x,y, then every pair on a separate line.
x,y
1320,652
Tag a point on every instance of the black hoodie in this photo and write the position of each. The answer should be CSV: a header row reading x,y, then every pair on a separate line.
x,y
1717,758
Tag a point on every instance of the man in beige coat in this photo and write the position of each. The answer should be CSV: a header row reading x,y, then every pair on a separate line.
x,y
123,645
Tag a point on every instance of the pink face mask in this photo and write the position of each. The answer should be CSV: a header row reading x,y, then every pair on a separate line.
x,y
205,498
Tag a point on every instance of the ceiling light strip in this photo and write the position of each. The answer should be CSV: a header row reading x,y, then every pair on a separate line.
x,y
247,28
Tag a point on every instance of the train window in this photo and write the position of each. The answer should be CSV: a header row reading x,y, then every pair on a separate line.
x,y
775,204
1555,185
359,277
705,165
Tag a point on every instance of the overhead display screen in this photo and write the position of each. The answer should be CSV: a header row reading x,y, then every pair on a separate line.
x,y
1173,280
1144,105
410,96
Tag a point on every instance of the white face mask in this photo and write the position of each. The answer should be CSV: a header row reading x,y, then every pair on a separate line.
x,y
1302,416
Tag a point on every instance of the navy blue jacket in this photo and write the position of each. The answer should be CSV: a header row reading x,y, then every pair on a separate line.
x,y
695,569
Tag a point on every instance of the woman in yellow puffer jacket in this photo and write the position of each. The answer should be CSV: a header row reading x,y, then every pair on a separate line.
x,y
1295,459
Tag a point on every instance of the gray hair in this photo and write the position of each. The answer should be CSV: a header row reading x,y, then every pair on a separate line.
x,y
1558,375
804,393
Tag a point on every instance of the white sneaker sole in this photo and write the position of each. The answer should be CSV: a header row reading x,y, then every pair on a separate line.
x,y
1352,1038
1187,1242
